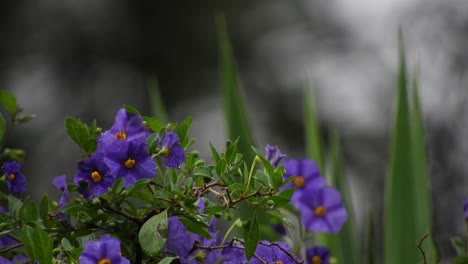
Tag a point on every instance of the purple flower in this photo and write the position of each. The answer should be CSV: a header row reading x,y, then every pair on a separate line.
x,y
179,241
61,183
201,205
306,175
6,241
104,251
321,209
182,243
4,261
130,161
127,127
318,255
93,177
234,254
279,228
272,253
465,208
16,181
273,155
171,150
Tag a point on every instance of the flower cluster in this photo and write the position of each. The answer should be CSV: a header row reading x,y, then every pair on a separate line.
x,y
319,205
122,152
104,251
16,181
136,183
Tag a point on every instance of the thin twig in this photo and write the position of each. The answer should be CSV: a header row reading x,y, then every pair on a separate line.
x,y
419,243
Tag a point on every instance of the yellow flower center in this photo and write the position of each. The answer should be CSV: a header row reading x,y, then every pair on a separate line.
x,y
130,163
11,177
104,261
316,260
96,176
279,262
121,135
320,211
299,181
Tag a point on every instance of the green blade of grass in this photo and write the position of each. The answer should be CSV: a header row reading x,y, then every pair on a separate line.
x,y
157,105
369,253
421,178
343,245
235,111
400,230
236,114
313,137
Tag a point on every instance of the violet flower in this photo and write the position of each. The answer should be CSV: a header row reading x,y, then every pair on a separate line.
x,y
127,127
93,177
306,175
274,253
171,150
274,155
318,255
321,210
16,181
131,161
61,183
104,251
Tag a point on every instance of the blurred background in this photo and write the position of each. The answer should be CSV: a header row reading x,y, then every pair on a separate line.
x,y
86,59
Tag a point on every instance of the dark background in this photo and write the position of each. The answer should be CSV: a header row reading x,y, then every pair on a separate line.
x,y
87,58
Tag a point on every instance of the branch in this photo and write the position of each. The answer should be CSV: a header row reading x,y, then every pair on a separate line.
x,y
419,243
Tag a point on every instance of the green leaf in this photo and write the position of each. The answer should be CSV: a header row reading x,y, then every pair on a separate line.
x,y
214,209
167,260
9,102
370,243
234,108
231,150
459,245
14,206
214,154
262,178
44,207
66,244
29,211
221,166
156,102
149,236
400,219
343,245
2,128
79,132
183,132
32,238
460,260
313,137
153,123
251,234
132,110
194,226
14,154
118,186
421,178
277,177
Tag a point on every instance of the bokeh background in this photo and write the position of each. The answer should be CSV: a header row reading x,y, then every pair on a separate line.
x,y
87,58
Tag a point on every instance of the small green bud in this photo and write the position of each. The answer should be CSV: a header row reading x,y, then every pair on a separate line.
x,y
200,256
257,159
96,201
270,203
228,215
